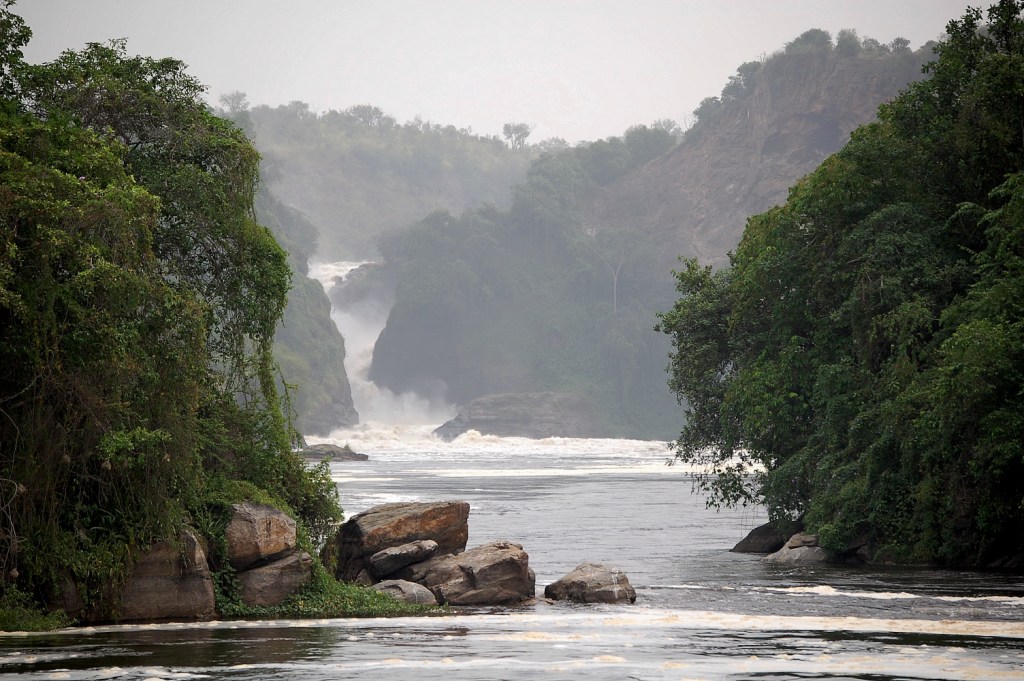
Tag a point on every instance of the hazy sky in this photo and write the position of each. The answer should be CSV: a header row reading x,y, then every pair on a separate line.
x,y
577,69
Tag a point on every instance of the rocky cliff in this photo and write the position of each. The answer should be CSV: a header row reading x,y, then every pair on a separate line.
x,y
800,108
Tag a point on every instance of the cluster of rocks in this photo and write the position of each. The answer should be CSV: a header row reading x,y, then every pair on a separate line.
x,y
416,551
173,581
331,452
798,549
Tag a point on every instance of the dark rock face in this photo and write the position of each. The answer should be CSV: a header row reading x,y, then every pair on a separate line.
x,y
271,584
169,583
391,560
497,573
332,453
391,525
409,592
592,583
762,539
258,534
535,415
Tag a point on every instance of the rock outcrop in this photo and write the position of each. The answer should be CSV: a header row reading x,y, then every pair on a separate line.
x,y
536,415
171,581
801,549
331,453
272,583
258,534
390,525
592,583
391,560
762,539
497,573
409,592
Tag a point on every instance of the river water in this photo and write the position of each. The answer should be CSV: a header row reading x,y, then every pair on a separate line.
x,y
701,613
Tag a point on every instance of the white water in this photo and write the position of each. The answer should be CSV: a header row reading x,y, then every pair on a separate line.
x,y
360,327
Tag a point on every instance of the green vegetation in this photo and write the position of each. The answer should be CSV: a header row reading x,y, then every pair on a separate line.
x,y
526,300
866,346
359,173
139,300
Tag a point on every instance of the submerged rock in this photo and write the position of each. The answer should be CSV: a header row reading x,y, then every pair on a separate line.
x,y
592,583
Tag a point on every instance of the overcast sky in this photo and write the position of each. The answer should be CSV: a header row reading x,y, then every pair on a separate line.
x,y
576,69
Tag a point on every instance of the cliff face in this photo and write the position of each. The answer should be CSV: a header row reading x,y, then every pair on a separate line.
x,y
802,107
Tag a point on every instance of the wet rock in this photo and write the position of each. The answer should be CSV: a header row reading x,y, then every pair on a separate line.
x,y
497,573
271,584
592,583
801,549
332,453
409,592
393,559
762,539
258,534
169,582
391,525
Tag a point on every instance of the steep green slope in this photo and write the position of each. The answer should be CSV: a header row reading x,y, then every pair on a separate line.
x,y
866,346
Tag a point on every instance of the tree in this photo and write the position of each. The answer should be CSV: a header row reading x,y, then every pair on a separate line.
x,y
861,352
516,134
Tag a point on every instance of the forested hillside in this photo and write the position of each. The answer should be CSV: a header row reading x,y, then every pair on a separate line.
x,y
866,344
359,173
559,293
138,304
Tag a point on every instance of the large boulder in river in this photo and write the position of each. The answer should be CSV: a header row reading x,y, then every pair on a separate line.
x,y
592,583
497,573
409,592
271,584
258,534
801,549
391,560
390,525
536,415
171,581
765,538
332,453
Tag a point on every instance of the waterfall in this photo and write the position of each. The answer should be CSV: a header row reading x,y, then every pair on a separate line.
x,y
360,325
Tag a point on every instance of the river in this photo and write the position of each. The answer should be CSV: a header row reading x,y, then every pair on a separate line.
x,y
701,612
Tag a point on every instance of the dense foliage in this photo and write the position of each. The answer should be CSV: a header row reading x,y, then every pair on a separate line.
x,y
359,173
525,300
138,303
863,354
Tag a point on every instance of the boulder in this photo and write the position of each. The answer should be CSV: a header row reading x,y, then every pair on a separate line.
x,y
801,549
171,581
390,525
493,574
592,583
391,560
332,453
258,534
762,539
270,584
409,592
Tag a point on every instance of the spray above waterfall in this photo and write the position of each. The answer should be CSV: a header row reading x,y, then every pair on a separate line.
x,y
360,325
